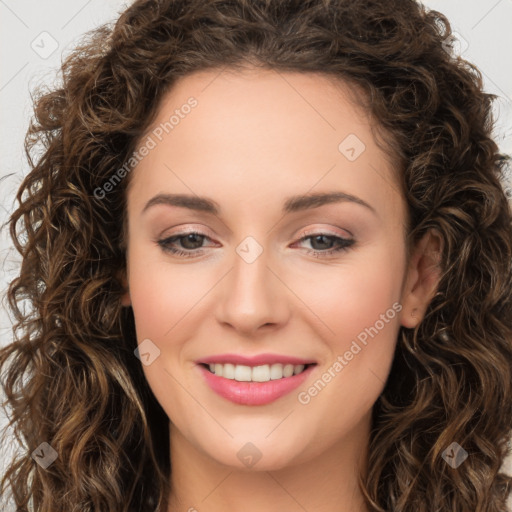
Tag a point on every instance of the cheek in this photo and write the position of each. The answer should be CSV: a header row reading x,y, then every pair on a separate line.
x,y
163,293
360,313
362,292
361,300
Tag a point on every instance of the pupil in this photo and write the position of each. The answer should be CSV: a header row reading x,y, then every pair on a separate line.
x,y
319,237
190,239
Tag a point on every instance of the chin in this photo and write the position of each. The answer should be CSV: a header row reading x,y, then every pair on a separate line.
x,y
254,455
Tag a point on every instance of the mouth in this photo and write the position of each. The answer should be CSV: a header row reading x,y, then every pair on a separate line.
x,y
255,382
260,373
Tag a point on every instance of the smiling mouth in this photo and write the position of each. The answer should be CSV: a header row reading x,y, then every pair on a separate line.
x,y
262,373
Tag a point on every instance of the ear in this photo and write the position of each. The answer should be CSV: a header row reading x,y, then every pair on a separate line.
x,y
422,278
125,297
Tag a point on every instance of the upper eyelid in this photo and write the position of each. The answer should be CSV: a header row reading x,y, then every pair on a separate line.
x,y
203,230
187,231
320,231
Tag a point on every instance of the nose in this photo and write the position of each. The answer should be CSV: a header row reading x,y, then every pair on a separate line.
x,y
252,296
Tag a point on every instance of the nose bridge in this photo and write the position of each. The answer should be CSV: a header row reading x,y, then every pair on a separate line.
x,y
251,295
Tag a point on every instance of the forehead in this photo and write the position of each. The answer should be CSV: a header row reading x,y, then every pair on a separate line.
x,y
263,132
263,103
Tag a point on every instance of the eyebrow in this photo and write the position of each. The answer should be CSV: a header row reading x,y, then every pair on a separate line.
x,y
292,204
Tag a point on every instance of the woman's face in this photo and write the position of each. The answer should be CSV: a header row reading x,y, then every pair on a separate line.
x,y
272,280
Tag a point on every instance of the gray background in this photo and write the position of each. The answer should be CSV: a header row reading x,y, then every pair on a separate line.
x,y
34,36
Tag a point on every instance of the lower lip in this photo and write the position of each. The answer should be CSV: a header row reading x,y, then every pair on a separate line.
x,y
253,393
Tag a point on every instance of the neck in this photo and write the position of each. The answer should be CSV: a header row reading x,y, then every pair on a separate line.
x,y
326,483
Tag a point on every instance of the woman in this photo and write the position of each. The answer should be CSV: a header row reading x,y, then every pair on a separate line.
x,y
193,344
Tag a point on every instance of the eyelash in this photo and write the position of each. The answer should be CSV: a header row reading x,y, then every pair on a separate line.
x,y
344,244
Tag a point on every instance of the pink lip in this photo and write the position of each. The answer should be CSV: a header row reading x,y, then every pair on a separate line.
x,y
258,360
253,393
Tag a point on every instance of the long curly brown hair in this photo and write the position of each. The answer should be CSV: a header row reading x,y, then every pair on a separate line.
x,y
70,376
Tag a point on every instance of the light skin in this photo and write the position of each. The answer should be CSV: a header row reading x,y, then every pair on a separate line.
x,y
255,139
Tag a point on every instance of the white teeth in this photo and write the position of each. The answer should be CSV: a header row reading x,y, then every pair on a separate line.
x,y
242,373
263,373
228,371
288,370
298,368
276,371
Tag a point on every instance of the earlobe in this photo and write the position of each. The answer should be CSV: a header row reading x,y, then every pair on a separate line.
x,y
423,277
126,300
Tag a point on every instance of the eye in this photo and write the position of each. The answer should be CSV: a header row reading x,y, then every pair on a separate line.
x,y
327,244
191,244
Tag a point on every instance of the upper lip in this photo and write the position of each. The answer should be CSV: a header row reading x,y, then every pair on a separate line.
x,y
257,360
